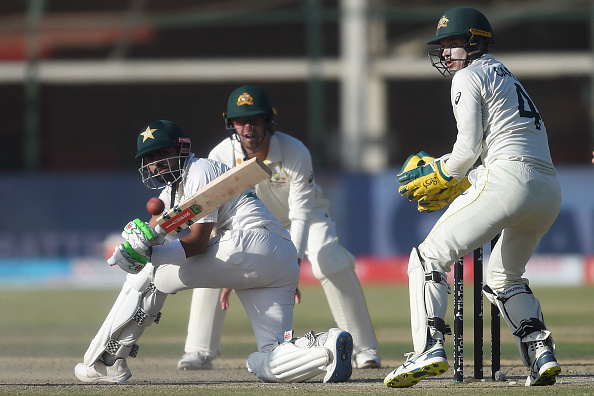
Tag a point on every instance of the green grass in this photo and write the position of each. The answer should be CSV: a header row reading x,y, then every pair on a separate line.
x,y
70,318
61,323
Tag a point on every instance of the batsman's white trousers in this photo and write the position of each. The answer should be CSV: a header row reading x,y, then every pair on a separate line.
x,y
331,263
262,268
508,197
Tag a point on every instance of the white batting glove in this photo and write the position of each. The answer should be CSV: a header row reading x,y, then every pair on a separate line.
x,y
142,236
128,259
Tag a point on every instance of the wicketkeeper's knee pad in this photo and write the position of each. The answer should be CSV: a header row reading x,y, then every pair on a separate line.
x,y
523,315
428,302
292,361
137,307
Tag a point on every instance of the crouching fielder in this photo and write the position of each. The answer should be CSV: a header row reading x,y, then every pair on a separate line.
x,y
240,246
514,192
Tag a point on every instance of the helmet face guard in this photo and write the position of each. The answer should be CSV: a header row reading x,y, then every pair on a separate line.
x,y
461,22
158,136
165,172
474,48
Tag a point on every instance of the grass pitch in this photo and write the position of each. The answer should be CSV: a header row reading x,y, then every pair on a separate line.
x,y
44,333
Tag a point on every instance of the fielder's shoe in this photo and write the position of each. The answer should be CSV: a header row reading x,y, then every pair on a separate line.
x,y
543,368
195,361
99,372
430,363
367,358
339,344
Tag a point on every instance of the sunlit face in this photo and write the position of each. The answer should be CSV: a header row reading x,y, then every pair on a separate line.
x,y
454,53
251,132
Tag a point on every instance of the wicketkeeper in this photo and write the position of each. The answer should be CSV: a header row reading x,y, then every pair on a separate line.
x,y
514,192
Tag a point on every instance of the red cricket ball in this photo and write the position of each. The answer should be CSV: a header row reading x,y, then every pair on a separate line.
x,y
155,206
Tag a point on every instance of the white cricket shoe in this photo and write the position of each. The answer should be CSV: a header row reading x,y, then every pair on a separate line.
x,y
195,361
543,368
430,363
339,344
99,372
367,358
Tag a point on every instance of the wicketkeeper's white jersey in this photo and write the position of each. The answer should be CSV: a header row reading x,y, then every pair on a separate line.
x,y
510,126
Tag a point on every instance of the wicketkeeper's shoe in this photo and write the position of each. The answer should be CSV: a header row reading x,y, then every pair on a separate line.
x,y
99,372
195,361
430,363
339,344
367,358
543,368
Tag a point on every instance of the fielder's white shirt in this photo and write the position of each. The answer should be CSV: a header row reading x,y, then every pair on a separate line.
x,y
240,213
291,193
496,119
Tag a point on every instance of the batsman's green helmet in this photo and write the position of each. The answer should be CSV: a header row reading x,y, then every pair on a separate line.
x,y
248,101
462,21
159,135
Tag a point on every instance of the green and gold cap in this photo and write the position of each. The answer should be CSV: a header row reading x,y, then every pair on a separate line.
x,y
248,101
462,21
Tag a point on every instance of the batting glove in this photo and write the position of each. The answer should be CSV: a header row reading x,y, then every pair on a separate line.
x,y
128,259
141,236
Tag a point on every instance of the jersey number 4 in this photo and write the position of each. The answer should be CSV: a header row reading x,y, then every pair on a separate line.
x,y
524,99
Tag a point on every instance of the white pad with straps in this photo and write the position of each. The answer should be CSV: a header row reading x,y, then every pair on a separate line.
x,y
523,315
428,302
136,307
292,361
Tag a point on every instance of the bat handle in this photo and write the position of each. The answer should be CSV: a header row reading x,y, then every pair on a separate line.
x,y
159,230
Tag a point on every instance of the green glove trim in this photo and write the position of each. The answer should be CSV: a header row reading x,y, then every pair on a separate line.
x,y
133,254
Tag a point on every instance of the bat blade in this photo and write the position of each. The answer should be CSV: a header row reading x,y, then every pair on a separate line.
x,y
215,194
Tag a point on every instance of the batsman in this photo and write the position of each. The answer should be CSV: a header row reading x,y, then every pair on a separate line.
x,y
514,192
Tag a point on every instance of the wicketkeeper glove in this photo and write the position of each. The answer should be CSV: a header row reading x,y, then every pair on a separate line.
x,y
141,236
444,198
414,160
128,259
425,181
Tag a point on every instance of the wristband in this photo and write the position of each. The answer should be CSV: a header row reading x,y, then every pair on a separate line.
x,y
173,253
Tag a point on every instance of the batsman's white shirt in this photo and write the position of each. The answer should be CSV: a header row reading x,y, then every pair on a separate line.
x,y
240,213
252,253
515,191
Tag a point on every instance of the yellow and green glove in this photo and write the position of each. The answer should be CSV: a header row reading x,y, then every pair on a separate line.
x,y
425,180
414,160
444,198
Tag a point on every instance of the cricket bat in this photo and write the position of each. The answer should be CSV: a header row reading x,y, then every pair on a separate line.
x,y
210,197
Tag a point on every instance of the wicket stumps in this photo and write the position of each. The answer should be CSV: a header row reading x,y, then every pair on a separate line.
x,y
478,321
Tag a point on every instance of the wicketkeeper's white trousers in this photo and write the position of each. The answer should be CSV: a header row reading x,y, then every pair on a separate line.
x,y
508,197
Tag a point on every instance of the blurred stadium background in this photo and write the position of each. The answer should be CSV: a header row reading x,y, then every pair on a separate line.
x,y
350,78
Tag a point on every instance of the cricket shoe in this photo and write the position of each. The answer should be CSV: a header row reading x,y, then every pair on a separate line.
x,y
543,368
339,344
99,372
430,363
367,358
194,361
